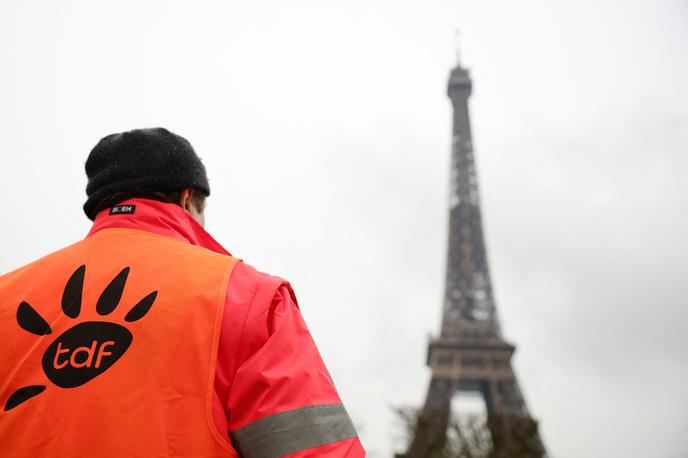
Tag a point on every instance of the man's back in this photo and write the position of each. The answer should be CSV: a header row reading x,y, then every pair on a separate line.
x,y
118,314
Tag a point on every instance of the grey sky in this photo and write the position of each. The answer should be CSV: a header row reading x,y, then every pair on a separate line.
x,y
325,130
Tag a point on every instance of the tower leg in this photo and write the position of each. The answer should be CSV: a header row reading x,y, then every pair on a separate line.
x,y
430,434
514,433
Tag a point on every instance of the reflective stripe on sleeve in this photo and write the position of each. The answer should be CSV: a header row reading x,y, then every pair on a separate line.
x,y
289,432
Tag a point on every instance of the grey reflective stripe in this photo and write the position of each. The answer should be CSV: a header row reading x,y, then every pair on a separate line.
x,y
295,430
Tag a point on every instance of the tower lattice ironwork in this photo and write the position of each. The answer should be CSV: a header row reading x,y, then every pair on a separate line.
x,y
470,353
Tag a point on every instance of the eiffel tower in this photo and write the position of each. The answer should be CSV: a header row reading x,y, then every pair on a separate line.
x,y
470,353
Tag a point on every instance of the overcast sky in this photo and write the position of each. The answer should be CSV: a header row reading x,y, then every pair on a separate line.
x,y
325,129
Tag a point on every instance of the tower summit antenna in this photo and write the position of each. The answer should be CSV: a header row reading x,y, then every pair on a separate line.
x,y
457,45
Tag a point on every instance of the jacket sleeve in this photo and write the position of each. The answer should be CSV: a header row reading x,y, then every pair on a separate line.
x,y
282,401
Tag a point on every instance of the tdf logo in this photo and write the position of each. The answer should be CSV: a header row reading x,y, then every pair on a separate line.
x,y
87,349
84,352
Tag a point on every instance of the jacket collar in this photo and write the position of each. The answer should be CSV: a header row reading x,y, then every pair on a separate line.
x,y
161,218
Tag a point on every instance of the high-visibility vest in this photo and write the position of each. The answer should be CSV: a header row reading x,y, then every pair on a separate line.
x,y
108,348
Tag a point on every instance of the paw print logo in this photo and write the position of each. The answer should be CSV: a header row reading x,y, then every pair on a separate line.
x,y
87,349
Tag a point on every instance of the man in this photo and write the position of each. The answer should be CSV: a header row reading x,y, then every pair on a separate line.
x,y
148,339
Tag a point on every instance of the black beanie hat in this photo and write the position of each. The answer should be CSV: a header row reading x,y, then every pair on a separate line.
x,y
141,161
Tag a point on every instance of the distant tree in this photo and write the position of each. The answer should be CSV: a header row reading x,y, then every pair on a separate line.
x,y
473,436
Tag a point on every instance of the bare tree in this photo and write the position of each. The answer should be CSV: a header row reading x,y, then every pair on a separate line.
x,y
475,436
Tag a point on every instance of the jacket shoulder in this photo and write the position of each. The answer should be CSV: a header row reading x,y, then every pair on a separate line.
x,y
246,276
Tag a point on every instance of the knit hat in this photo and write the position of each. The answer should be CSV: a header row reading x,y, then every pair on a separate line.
x,y
140,161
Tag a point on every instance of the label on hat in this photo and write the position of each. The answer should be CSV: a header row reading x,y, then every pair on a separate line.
x,y
123,210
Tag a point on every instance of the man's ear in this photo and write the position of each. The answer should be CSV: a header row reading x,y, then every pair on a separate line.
x,y
185,198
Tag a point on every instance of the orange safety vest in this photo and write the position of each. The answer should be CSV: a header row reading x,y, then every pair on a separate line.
x,y
108,349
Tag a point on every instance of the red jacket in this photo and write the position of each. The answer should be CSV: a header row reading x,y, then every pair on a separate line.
x,y
273,393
